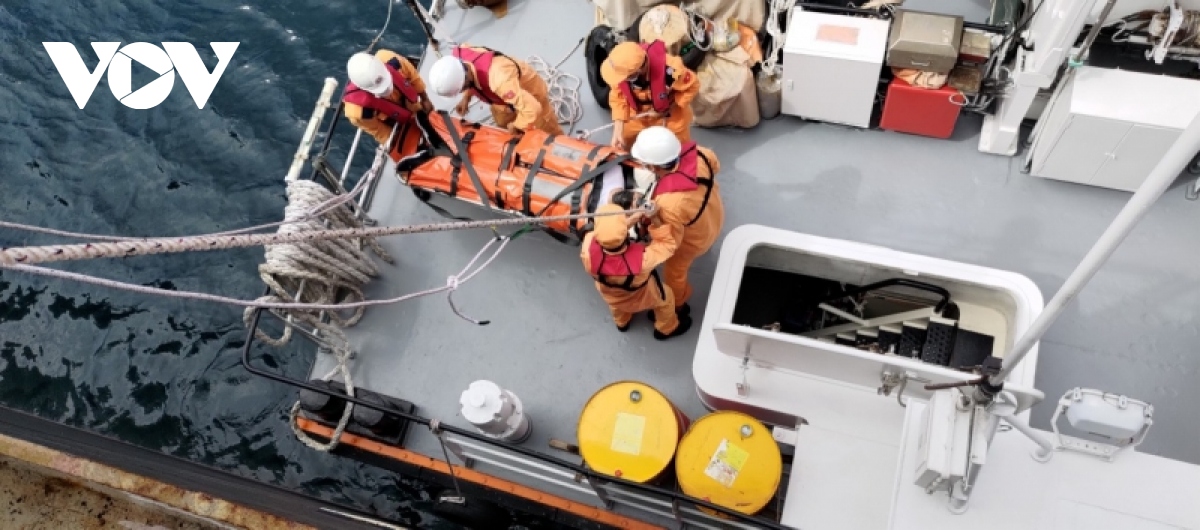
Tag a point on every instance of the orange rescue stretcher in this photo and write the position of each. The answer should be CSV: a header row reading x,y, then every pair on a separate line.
x,y
533,174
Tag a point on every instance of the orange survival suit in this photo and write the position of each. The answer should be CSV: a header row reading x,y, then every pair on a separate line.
x,y
514,90
377,115
665,87
689,200
624,270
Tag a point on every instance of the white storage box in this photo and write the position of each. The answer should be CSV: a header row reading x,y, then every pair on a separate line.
x,y
831,66
1109,128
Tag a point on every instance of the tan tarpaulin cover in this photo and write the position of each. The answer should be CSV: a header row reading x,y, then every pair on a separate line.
x,y
749,12
621,14
728,95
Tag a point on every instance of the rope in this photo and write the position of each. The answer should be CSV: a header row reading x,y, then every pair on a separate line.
x,y
316,272
342,351
11,257
386,21
770,64
583,135
562,89
315,212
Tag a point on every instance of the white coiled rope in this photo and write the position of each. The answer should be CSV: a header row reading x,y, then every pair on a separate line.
x,y
770,64
316,271
562,89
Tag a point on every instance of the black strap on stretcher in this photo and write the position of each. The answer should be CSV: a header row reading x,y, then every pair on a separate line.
x,y
532,174
586,177
465,161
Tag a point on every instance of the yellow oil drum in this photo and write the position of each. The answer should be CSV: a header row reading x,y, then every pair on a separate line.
x,y
630,430
729,459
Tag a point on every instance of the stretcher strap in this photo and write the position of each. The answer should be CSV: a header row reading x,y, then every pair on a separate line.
x,y
584,179
465,160
593,198
457,165
532,174
708,187
510,147
438,209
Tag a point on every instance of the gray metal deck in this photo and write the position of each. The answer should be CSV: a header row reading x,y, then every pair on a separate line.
x,y
1133,330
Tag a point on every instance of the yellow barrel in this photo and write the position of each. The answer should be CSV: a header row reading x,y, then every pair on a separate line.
x,y
630,430
729,459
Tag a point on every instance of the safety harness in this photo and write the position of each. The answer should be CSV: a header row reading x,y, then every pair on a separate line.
x,y
686,178
660,91
627,264
482,61
372,103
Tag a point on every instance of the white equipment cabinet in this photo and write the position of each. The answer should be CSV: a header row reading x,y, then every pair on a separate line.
x,y
831,66
1109,128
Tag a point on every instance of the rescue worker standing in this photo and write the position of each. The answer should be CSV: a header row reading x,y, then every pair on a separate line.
x,y
646,80
385,89
625,275
688,198
518,96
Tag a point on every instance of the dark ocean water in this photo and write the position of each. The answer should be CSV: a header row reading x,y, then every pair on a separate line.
x,y
163,373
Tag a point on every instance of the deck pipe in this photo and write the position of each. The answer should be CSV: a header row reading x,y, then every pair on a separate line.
x,y
1161,177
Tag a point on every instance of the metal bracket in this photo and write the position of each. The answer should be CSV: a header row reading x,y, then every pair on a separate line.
x,y
743,388
601,493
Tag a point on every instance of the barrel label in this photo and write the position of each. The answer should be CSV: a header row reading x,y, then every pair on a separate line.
x,y
627,433
726,463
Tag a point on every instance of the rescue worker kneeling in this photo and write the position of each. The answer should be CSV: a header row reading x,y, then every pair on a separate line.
x,y
518,96
646,80
624,271
385,90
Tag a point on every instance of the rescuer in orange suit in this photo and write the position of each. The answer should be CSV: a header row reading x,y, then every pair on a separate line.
x,y
644,78
624,271
688,198
385,89
518,96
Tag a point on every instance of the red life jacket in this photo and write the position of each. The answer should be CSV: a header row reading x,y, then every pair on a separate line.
x,y
354,94
686,178
627,264
660,93
482,61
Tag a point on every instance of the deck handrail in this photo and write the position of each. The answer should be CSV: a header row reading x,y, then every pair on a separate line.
x,y
672,496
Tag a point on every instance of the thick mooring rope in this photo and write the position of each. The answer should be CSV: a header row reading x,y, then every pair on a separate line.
x,y
316,272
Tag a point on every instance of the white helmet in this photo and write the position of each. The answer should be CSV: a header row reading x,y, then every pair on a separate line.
x,y
369,74
656,146
447,76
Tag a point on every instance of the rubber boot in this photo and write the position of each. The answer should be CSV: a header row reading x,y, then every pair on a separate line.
x,y
683,310
685,323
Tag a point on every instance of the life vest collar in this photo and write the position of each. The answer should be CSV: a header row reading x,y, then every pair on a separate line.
x,y
627,264
482,63
390,109
660,93
685,176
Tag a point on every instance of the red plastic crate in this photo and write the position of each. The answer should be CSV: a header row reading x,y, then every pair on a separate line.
x,y
920,111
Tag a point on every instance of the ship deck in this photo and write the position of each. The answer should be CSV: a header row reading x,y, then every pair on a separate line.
x,y
552,342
